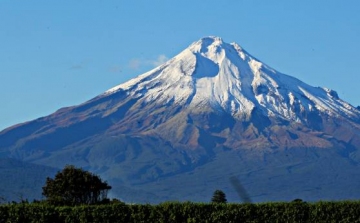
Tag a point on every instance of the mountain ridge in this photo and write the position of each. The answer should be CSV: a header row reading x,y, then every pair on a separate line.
x,y
236,82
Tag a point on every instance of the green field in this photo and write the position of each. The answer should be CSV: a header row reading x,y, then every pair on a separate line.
x,y
345,211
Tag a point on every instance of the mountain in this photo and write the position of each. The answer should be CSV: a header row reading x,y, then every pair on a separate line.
x,y
179,131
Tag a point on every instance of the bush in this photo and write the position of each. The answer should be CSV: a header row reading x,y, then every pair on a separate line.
x,y
184,212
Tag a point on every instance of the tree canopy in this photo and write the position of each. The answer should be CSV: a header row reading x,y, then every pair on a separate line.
x,y
74,186
219,197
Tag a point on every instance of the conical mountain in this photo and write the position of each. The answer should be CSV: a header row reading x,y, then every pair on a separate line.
x,y
210,112
222,76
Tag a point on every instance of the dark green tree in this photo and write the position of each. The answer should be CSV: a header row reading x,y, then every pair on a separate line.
x,y
219,197
75,186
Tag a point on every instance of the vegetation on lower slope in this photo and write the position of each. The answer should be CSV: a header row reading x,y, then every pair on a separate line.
x,y
21,180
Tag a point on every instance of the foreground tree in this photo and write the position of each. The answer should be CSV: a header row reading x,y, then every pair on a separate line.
x,y
219,197
74,186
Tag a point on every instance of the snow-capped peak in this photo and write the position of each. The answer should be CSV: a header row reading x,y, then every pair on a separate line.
x,y
222,76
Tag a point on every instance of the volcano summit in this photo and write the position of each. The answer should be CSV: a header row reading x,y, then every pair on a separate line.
x,y
182,129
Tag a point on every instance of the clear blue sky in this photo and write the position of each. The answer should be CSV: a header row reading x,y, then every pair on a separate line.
x,y
62,53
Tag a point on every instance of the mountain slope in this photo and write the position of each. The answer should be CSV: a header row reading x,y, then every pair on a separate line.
x,y
21,180
211,103
224,76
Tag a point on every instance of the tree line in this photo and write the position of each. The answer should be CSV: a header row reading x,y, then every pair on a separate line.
x,y
76,195
75,186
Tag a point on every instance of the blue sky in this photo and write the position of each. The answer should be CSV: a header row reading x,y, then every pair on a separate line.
x,y
61,53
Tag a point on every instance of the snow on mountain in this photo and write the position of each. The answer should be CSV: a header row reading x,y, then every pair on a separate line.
x,y
223,76
181,130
